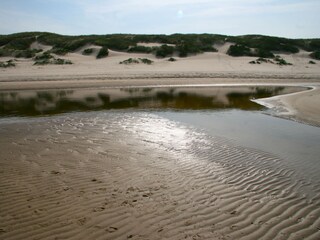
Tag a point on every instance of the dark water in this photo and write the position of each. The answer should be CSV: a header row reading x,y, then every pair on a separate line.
x,y
39,103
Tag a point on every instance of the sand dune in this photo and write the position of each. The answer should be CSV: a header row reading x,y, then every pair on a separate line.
x,y
214,65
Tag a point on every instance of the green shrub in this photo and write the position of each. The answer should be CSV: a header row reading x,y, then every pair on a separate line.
x,y
315,55
172,59
261,60
136,61
57,61
183,53
7,64
42,62
208,48
239,50
47,58
164,51
43,56
130,61
61,61
20,43
288,48
146,61
118,42
312,62
29,53
87,51
140,49
75,44
64,44
5,52
59,51
280,61
262,53
315,44
268,43
22,54
277,60
188,47
104,52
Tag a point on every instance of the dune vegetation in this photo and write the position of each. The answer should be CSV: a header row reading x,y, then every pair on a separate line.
x,y
182,45
136,61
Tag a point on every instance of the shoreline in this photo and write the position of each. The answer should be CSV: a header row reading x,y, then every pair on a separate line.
x,y
146,81
300,106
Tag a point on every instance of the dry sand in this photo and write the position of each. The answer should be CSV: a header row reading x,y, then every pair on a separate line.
x,y
111,177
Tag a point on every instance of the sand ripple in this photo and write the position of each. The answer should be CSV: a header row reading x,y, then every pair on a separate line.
x,y
135,175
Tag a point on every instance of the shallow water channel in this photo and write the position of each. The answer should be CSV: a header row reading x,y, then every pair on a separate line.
x,y
49,102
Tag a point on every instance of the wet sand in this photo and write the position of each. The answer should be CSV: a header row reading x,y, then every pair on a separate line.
x,y
301,106
106,176
136,175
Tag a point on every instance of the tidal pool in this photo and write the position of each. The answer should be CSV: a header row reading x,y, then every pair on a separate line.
x,y
39,103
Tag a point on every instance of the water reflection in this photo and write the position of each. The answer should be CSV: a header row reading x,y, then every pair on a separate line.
x,y
35,103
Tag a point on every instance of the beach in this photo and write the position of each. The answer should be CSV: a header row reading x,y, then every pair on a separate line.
x,y
139,174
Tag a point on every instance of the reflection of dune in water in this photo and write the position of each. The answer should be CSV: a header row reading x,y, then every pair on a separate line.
x,y
85,176
35,103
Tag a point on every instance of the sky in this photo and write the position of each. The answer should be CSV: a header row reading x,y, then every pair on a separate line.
x,y
285,18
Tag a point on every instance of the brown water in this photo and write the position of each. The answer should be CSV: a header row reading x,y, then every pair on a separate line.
x,y
39,103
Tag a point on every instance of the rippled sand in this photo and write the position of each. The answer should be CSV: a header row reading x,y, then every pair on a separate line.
x,y
136,175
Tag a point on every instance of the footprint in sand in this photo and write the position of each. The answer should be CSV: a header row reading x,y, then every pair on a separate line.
x,y
111,229
99,209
